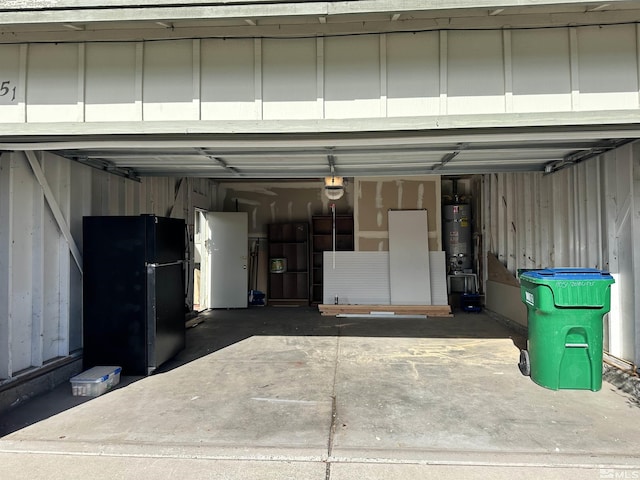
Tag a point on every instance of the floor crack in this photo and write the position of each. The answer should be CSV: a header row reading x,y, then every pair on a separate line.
x,y
334,409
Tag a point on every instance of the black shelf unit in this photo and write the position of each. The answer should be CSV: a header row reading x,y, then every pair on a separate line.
x,y
291,242
322,240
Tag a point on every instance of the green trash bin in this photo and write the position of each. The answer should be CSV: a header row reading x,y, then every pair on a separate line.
x,y
565,307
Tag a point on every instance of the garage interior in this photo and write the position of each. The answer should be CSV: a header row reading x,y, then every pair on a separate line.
x,y
189,115
511,222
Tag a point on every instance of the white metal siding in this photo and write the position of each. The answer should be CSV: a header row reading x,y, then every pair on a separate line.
x,y
413,84
228,80
352,77
583,216
110,91
608,67
53,83
475,72
289,76
168,83
532,54
369,76
10,107
40,284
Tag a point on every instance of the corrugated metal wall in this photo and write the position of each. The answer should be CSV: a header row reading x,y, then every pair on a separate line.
x,y
584,216
40,283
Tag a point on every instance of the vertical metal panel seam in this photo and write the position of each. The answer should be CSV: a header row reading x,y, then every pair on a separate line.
x,y
496,212
573,187
444,65
523,232
579,183
139,82
383,75
518,220
508,71
487,217
536,221
638,62
526,234
82,80
598,187
493,187
592,206
634,153
584,216
7,163
552,218
574,68
503,209
320,77
22,81
37,277
502,219
511,220
540,222
65,264
197,79
257,76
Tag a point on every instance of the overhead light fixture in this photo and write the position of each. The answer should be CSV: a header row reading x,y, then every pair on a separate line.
x,y
333,187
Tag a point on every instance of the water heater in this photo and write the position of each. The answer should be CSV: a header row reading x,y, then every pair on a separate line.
x,y
456,236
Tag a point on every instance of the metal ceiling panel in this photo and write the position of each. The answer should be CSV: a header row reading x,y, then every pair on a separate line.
x,y
310,155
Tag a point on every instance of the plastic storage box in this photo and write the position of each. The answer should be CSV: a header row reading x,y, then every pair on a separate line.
x,y
95,381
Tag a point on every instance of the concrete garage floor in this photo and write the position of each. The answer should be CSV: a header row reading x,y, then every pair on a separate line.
x,y
283,393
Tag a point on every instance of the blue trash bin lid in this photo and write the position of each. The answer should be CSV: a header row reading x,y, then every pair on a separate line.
x,y
572,287
569,273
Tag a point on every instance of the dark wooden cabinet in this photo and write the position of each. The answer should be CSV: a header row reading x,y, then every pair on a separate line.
x,y
322,227
288,263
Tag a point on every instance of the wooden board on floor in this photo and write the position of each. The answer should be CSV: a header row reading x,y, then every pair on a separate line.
x,y
193,322
428,310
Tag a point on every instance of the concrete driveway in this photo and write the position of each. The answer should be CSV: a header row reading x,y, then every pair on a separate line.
x,y
283,393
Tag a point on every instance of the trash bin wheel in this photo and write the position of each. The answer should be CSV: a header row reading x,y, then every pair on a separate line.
x,y
524,365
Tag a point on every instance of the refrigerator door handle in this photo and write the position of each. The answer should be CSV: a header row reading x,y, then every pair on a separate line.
x,y
155,265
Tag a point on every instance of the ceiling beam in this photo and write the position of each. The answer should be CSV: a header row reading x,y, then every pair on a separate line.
x,y
61,11
104,165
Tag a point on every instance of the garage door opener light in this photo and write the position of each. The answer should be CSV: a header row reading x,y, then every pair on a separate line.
x,y
333,187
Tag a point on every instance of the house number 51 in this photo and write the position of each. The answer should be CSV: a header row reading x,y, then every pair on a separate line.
x,y
6,89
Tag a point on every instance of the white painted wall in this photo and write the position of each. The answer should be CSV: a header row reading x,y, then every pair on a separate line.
x,y
584,216
40,283
366,76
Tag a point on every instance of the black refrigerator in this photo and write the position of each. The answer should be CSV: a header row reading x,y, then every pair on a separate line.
x,y
133,291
